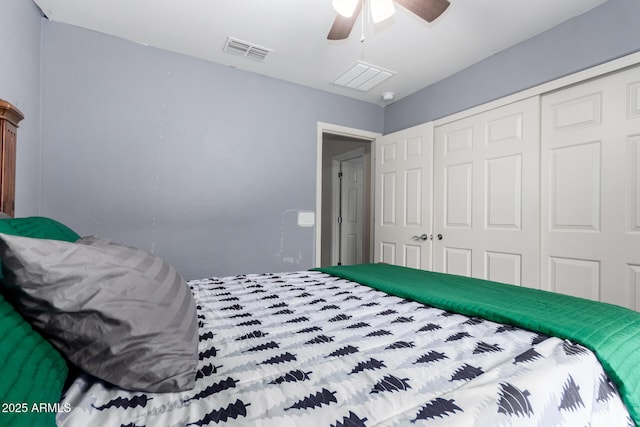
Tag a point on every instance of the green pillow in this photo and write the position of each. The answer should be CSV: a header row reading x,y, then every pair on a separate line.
x,y
38,227
32,372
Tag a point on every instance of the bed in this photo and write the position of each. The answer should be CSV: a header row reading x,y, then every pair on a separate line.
x,y
341,346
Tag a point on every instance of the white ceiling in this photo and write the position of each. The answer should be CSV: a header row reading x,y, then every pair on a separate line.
x,y
419,53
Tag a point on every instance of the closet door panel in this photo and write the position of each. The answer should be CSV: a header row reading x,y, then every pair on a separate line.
x,y
403,199
503,267
457,261
590,239
503,192
577,277
633,182
458,195
574,201
486,195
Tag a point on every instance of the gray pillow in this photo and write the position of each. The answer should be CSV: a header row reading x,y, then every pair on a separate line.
x,y
117,312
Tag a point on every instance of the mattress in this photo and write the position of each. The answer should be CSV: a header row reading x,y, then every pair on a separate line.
x,y
308,348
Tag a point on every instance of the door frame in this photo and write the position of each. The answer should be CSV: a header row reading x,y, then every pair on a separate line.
x,y
335,196
333,129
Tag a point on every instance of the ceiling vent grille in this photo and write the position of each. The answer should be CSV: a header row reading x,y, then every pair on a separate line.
x,y
246,49
363,76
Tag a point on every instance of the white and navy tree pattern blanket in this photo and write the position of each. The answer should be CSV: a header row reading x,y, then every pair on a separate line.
x,y
308,349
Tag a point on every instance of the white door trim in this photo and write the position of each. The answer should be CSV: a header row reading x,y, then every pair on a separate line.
x,y
330,128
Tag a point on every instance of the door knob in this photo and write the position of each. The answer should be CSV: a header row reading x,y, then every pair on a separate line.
x,y
439,236
421,237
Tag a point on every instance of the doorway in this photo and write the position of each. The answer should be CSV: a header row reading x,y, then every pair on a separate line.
x,y
340,145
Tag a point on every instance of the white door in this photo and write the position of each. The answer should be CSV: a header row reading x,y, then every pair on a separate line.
x,y
486,195
351,215
403,210
590,241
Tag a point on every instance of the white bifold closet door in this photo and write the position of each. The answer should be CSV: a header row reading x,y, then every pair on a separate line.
x,y
590,228
486,195
403,210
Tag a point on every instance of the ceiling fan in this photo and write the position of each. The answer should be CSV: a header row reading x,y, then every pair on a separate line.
x,y
348,11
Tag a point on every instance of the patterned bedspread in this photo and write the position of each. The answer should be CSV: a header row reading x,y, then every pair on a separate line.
x,y
308,349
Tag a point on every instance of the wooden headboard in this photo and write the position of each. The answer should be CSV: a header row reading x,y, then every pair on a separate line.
x,y
10,116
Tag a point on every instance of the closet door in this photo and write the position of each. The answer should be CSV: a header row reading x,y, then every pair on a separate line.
x,y
590,240
403,215
486,195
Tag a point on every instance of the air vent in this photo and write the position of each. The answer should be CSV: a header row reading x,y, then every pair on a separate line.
x,y
363,76
246,49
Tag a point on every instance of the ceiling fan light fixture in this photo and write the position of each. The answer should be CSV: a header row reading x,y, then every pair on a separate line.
x,y
348,11
381,10
345,8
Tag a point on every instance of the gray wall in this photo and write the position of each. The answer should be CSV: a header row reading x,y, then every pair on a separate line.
x,y
20,23
602,34
203,164
207,165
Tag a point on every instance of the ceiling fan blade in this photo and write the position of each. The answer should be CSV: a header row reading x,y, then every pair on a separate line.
x,y
342,26
428,10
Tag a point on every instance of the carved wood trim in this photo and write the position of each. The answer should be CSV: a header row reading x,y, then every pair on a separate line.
x,y
10,113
